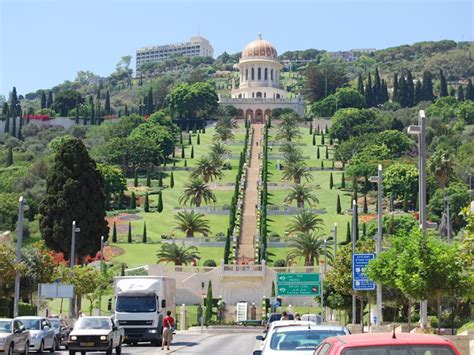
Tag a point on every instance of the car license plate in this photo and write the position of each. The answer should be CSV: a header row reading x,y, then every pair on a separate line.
x,y
87,344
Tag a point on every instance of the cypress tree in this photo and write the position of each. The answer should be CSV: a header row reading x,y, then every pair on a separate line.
x,y
319,130
185,163
9,161
49,101
365,208
129,235
160,180
122,269
171,180
410,90
331,141
427,86
144,236
204,128
77,111
317,153
443,85
326,129
14,110
314,139
364,230
377,97
208,312
469,94
99,114
360,85
159,206
405,203
181,138
384,94
43,100
6,116
114,233
98,95
227,247
107,104
146,205
126,110
149,102
92,113
331,181
135,177
189,139
133,201
452,91
198,140
192,152
418,92
327,152
148,179
333,165
120,200
460,93
338,205
348,234
311,127
343,181
369,98
395,87
322,138
322,164
183,155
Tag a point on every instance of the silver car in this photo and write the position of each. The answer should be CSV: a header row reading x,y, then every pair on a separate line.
x,y
14,337
42,334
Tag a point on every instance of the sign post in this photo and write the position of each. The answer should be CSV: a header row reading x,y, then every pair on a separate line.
x,y
298,284
360,281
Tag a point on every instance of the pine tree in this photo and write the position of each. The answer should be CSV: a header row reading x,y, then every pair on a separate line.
x,y
9,156
365,208
311,127
198,140
135,178
129,235
322,138
460,93
418,92
314,139
148,179
443,85
327,152
192,152
338,205
171,180
331,181
360,85
114,233
469,94
43,99
107,104
395,87
159,206
146,205
410,90
317,153
133,201
144,236
343,181
49,101
160,180
427,86
183,155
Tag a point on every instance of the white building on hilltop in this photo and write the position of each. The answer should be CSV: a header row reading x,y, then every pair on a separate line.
x,y
259,91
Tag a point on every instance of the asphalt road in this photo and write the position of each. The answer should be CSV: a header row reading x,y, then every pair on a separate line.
x,y
188,343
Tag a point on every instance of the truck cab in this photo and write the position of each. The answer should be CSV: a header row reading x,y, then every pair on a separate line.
x,y
141,303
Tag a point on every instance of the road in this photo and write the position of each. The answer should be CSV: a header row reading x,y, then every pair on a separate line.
x,y
184,344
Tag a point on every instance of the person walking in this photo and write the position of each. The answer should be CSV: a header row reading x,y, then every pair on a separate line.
x,y
168,327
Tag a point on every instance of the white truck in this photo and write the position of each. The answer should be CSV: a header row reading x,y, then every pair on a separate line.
x,y
141,302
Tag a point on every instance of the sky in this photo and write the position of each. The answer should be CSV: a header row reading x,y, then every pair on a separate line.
x,y
45,42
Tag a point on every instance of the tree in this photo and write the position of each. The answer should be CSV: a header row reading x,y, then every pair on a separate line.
x,y
192,152
318,155
160,180
9,161
49,101
114,233
314,139
440,164
37,267
410,90
304,222
195,191
72,180
148,179
177,254
342,98
135,178
296,171
198,140
310,247
43,100
183,153
400,180
322,80
114,180
208,169
133,201
191,222
469,91
144,235
7,269
365,208
107,104
159,206
66,100
427,87
146,205
208,312
331,181
301,193
338,205
129,234
171,180
343,181
87,282
443,86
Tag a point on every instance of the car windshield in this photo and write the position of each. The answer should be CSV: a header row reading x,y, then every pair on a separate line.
x,y
5,326
136,304
31,324
93,323
301,339
400,350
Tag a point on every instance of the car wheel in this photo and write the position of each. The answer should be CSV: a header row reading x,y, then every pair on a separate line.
x,y
53,347
72,352
41,348
10,349
83,353
27,349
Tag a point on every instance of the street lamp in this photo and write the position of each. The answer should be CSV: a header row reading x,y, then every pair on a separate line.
x,y
354,237
21,207
378,245
101,270
335,238
71,263
322,280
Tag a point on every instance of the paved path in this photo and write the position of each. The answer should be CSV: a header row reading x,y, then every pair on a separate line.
x,y
249,217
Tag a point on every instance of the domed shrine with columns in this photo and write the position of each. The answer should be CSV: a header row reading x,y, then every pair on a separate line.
x,y
259,91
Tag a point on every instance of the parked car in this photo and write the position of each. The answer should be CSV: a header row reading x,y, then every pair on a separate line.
x,y
42,334
61,331
387,343
14,337
95,334
298,339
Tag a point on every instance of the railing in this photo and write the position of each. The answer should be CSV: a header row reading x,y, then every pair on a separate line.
x,y
259,100
246,268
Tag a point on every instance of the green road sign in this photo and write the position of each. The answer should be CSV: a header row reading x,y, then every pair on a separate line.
x,y
298,284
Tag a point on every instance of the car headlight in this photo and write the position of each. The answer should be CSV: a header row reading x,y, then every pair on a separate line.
x,y
2,340
73,337
103,337
153,331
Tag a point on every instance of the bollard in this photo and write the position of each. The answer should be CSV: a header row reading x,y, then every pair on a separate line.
x,y
183,317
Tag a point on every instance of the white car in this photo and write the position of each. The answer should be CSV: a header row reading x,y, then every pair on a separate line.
x,y
14,337
298,340
42,334
285,323
316,318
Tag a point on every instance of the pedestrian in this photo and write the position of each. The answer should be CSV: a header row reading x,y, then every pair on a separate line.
x,y
297,316
284,316
81,314
168,328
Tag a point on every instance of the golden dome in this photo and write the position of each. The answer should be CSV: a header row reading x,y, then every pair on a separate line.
x,y
259,48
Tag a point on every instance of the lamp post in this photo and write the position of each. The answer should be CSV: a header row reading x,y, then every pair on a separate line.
x,y
71,263
335,238
101,270
322,281
378,245
21,206
448,219
354,237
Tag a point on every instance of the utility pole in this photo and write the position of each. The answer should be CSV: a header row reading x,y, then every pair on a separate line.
x,y
335,239
21,206
354,237
378,244
448,219
101,270
322,281
72,261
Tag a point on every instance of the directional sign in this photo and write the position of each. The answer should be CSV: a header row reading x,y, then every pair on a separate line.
x,y
360,281
298,284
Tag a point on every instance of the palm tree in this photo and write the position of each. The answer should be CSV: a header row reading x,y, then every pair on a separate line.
x,y
441,166
208,168
310,247
304,222
218,150
227,121
291,153
288,132
301,193
179,255
191,222
195,191
223,133
296,171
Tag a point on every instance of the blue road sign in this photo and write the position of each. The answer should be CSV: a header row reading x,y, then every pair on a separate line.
x,y
360,281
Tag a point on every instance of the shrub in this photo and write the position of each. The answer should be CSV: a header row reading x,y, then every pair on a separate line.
x,y
279,263
210,263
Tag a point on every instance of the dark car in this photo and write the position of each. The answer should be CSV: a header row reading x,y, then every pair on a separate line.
x,y
61,331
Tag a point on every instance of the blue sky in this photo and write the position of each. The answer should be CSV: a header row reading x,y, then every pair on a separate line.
x,y
44,42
